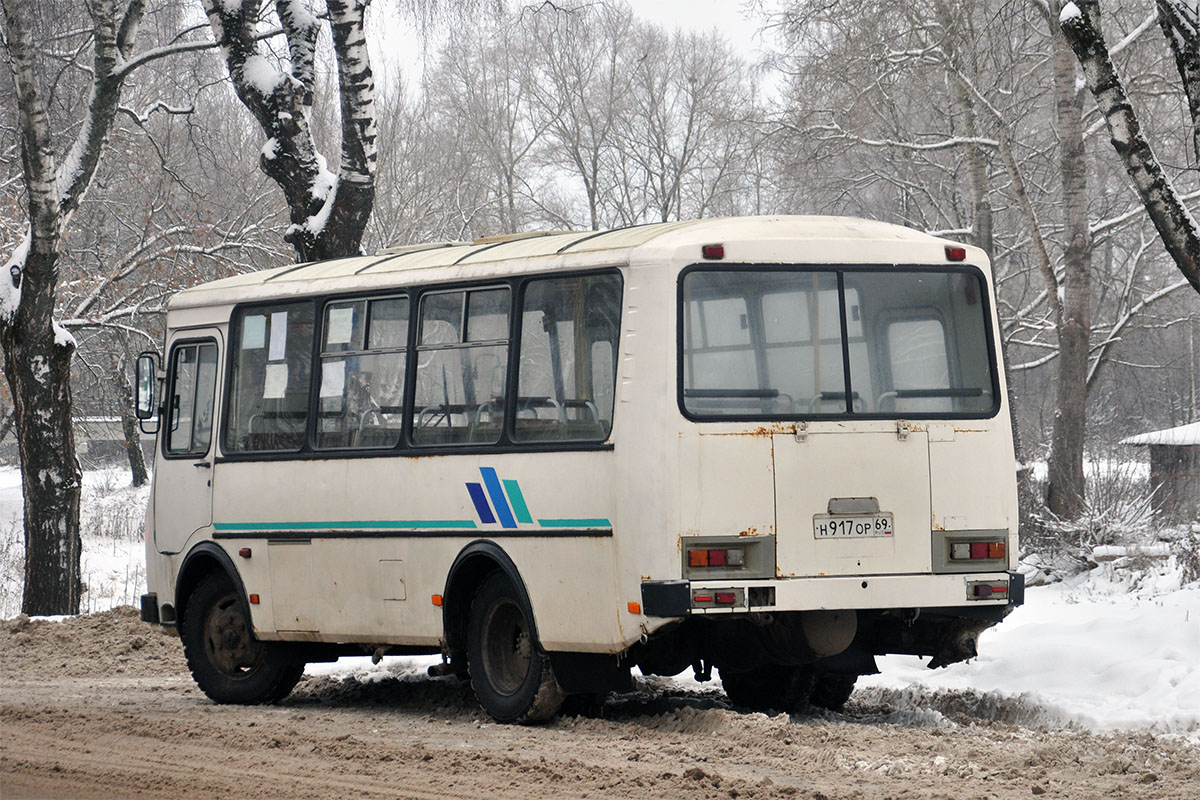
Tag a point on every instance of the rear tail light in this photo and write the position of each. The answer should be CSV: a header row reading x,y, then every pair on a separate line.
x,y
726,597
971,551
720,558
987,590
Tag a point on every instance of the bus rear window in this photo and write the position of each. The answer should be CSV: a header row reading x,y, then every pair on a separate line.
x,y
792,343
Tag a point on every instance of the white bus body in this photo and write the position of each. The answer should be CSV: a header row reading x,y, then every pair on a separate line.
x,y
776,445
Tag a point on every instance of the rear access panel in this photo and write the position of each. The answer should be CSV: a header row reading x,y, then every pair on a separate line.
x,y
852,502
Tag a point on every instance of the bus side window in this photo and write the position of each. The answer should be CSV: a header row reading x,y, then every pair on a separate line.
x,y
363,356
567,364
271,352
193,377
462,366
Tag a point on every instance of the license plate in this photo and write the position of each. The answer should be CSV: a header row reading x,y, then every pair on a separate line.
x,y
857,526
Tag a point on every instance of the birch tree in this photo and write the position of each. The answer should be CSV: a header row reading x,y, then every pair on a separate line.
x,y
1180,20
37,349
328,211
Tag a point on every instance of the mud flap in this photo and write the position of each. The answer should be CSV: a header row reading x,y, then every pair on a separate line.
x,y
590,673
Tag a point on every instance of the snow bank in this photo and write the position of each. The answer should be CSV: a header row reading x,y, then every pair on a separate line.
x,y
1089,653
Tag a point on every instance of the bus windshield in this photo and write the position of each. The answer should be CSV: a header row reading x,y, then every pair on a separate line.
x,y
872,342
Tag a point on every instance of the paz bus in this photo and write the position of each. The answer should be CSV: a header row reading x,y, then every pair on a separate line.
x,y
777,446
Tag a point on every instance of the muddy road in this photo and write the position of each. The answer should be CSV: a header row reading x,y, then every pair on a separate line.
x,y
102,707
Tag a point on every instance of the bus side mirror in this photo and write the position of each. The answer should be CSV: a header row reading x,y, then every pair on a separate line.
x,y
145,406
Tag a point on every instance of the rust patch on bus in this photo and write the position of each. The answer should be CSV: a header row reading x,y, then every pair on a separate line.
x,y
763,431
933,523
751,531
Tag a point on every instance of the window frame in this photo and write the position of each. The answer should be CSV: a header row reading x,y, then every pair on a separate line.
x,y
314,401
169,394
464,343
840,271
405,447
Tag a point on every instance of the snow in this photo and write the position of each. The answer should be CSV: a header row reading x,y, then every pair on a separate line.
x,y
1182,435
1069,12
270,149
1085,653
259,73
113,560
62,336
1113,649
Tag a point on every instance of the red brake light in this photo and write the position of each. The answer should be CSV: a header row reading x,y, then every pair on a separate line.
x,y
716,558
726,598
713,252
979,549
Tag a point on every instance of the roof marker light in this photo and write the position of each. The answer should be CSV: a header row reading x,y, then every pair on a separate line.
x,y
954,253
713,252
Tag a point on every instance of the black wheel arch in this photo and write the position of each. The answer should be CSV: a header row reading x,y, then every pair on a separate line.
x,y
201,561
471,567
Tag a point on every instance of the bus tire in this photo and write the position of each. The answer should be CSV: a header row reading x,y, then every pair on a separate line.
x,y
226,661
511,676
831,690
771,686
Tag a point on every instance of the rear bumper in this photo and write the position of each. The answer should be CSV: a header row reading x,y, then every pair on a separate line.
x,y
675,598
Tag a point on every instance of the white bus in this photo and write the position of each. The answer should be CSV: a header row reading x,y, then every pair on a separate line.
x,y
778,446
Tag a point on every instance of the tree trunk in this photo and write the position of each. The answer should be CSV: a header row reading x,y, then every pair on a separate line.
x,y
329,212
37,353
131,433
1065,490
1181,25
38,372
1175,224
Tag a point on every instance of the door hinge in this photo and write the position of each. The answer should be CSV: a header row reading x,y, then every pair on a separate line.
x,y
902,429
801,431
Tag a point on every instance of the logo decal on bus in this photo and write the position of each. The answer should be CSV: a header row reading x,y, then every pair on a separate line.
x,y
496,491
509,505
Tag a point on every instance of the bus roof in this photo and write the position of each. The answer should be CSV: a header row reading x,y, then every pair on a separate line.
x,y
744,239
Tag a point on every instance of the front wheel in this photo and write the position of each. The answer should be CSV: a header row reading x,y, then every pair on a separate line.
x,y
511,677
226,661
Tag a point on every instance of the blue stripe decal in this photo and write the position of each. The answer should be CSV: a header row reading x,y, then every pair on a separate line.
x,y
518,502
481,503
496,492
574,523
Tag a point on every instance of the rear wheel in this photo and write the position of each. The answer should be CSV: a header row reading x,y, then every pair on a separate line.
x,y
511,677
831,690
771,686
227,662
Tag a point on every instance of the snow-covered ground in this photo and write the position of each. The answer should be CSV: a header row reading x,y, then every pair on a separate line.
x,y
114,556
1089,651
1117,648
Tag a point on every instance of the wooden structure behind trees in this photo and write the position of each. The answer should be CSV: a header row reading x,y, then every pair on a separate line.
x,y
1174,472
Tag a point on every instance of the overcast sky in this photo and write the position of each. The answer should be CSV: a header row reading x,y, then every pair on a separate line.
x,y
703,15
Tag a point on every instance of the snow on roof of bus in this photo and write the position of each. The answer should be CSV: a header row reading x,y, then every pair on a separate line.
x,y
549,249
1182,435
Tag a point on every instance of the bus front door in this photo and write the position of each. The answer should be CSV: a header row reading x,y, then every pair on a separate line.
x,y
183,474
